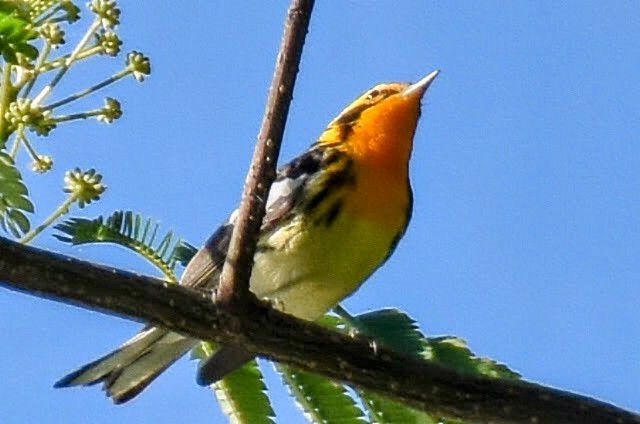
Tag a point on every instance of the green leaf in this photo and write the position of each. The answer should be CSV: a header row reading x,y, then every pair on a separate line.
x,y
242,393
392,328
322,401
395,330
8,54
19,202
15,32
129,230
27,49
398,331
183,253
454,353
20,220
13,199
14,185
385,411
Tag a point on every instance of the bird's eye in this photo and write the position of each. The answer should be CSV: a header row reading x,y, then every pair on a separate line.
x,y
373,94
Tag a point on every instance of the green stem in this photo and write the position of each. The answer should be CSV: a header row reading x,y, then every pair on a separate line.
x,y
171,277
46,91
14,149
44,54
60,61
47,16
75,116
23,138
63,209
5,99
349,319
64,18
83,93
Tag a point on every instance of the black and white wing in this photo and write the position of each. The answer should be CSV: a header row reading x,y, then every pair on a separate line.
x,y
287,192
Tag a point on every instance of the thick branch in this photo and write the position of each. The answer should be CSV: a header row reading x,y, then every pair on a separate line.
x,y
234,280
304,345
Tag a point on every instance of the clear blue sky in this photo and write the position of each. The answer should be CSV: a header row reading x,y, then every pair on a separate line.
x,y
526,171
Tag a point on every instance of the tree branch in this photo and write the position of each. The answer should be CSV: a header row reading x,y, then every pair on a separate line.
x,y
234,280
304,345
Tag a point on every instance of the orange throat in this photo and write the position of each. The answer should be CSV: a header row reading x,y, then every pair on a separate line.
x,y
380,143
383,136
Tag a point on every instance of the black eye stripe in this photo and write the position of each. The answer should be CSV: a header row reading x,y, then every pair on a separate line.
x,y
354,113
384,92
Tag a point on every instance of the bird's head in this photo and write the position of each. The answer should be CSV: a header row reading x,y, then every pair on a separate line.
x,y
378,127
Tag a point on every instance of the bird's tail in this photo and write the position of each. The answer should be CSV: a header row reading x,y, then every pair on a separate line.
x,y
126,371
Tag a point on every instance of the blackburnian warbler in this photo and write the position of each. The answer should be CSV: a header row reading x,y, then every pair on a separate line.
x,y
334,215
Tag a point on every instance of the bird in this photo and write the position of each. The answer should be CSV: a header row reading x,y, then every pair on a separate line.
x,y
334,215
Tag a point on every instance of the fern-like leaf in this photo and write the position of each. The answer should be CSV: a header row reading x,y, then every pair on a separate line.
x,y
453,352
130,230
13,199
398,331
323,401
392,328
242,393
395,330
382,410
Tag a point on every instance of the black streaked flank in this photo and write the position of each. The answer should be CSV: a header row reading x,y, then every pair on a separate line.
x,y
331,156
304,168
333,213
337,180
408,212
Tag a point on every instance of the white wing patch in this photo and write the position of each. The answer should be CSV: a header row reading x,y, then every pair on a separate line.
x,y
279,189
284,188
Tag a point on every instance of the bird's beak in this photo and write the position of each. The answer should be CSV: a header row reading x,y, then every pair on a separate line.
x,y
419,88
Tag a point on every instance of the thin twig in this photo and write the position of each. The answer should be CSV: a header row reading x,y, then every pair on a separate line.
x,y
80,94
304,345
234,280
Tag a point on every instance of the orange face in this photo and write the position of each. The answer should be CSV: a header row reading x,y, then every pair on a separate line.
x,y
377,131
383,135
377,128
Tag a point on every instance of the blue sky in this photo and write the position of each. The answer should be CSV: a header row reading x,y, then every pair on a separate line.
x,y
526,172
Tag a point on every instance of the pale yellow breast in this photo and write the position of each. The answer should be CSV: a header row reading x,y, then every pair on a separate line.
x,y
310,268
